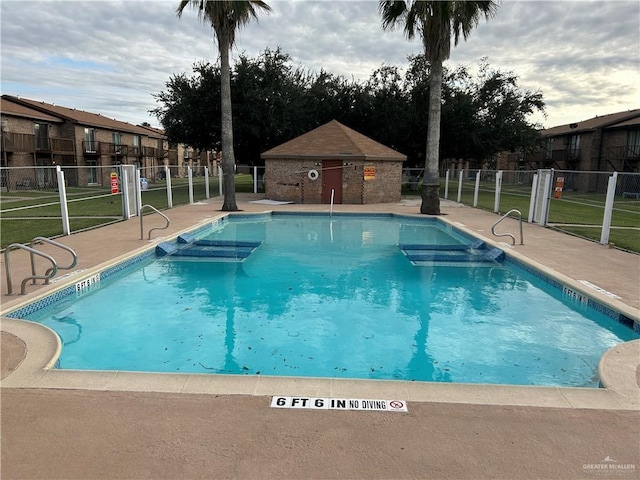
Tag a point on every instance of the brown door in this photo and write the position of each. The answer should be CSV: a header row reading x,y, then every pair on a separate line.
x,y
331,180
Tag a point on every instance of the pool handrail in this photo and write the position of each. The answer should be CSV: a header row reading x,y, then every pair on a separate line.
x,y
154,228
513,239
49,274
33,243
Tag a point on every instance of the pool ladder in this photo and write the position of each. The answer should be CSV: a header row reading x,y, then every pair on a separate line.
x,y
513,239
33,252
154,228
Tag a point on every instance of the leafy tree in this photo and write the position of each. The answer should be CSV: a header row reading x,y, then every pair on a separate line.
x,y
226,17
460,128
483,111
435,22
268,97
502,109
190,111
388,114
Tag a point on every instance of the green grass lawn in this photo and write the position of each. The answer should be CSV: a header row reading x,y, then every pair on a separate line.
x,y
94,206
90,206
574,213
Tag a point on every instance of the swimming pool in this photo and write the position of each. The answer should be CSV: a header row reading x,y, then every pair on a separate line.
x,y
344,296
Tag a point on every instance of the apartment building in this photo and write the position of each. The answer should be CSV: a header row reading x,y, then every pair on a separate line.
x,y
37,135
601,144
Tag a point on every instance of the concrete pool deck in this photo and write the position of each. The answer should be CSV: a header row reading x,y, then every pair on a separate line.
x,y
62,424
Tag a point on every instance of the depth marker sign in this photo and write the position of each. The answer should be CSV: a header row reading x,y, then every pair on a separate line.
x,y
339,404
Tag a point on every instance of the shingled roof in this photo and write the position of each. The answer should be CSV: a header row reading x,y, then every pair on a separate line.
x,y
80,117
9,107
333,140
611,120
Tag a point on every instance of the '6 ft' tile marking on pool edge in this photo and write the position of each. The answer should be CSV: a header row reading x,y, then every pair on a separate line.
x,y
324,403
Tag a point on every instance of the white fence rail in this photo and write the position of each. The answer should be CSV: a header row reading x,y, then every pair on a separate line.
x,y
602,206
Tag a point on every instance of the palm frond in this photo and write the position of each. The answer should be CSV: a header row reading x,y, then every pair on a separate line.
x,y
225,16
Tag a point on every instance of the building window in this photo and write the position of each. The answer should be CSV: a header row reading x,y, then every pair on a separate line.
x,y
41,131
92,172
633,144
117,148
574,146
549,151
90,144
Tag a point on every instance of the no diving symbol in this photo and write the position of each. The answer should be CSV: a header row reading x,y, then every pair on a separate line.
x,y
396,404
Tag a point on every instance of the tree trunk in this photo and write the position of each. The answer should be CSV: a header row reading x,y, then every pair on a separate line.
x,y
431,179
228,157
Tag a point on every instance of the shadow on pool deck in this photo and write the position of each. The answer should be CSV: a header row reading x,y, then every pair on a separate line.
x,y
73,431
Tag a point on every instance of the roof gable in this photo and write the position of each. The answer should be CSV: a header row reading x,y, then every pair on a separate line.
x,y
333,139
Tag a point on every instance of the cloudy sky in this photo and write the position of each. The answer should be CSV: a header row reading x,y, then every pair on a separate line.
x,y
109,57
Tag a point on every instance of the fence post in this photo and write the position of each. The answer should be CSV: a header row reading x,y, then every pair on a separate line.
x,y
532,200
138,193
206,182
129,196
190,178
64,208
476,190
220,181
255,179
496,202
608,209
460,184
167,176
124,191
546,198
446,184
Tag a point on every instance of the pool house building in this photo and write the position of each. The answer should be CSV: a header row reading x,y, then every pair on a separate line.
x,y
333,164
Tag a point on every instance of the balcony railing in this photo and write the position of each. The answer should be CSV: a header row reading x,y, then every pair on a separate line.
x,y
171,155
24,142
568,156
119,150
629,152
132,151
18,142
61,145
54,145
114,149
91,147
139,152
149,152
42,144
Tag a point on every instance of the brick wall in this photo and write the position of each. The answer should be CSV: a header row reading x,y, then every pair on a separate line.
x,y
288,180
387,185
284,179
19,125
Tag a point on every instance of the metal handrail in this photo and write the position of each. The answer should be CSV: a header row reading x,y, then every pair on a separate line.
x,y
46,277
154,228
57,244
513,239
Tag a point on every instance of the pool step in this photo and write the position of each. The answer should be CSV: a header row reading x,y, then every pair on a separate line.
x,y
477,252
210,250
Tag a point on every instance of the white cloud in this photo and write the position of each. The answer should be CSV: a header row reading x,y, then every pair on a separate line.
x,y
111,56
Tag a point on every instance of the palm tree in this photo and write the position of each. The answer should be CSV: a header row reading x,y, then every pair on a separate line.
x,y
226,17
435,22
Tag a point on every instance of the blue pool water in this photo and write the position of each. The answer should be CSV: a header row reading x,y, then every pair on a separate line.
x,y
337,296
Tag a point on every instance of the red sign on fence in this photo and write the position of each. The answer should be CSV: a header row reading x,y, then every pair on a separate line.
x,y
114,182
559,186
